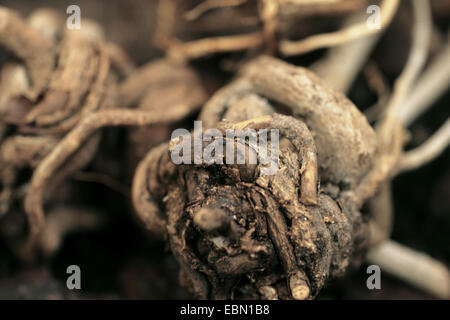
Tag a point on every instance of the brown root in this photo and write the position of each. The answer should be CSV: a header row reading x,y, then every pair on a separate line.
x,y
237,225
37,51
308,98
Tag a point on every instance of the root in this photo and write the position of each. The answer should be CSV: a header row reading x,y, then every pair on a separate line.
x,y
68,91
231,221
72,142
416,268
197,48
37,51
341,64
389,130
434,81
357,31
428,151
310,99
207,5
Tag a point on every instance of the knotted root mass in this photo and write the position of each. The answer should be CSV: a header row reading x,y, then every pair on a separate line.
x,y
192,29
238,233
54,78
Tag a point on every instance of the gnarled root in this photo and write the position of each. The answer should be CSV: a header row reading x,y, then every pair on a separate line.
x,y
70,78
237,233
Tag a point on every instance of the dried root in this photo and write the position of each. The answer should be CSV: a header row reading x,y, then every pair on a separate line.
x,y
346,143
16,153
432,148
35,49
159,86
354,32
146,88
389,129
256,24
237,233
413,267
70,78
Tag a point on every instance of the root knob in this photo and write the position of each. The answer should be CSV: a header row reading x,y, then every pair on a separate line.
x,y
211,219
299,287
